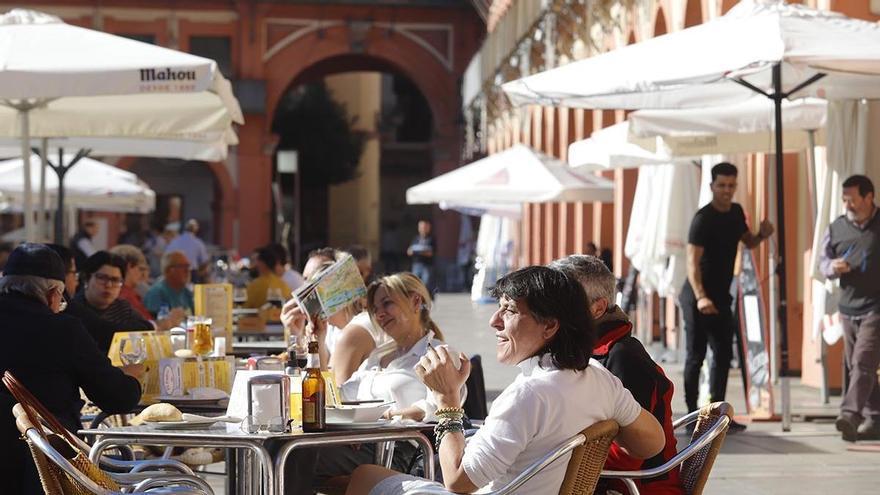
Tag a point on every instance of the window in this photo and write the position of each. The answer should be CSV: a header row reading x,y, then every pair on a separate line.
x,y
217,48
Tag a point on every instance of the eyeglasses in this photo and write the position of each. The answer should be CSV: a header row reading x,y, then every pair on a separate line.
x,y
251,424
108,280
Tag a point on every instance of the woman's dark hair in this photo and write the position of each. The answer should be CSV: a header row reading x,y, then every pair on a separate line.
x,y
96,261
553,295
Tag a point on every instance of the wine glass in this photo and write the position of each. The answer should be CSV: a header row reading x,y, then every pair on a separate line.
x,y
133,350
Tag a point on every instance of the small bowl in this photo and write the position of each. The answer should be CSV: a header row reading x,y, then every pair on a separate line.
x,y
363,413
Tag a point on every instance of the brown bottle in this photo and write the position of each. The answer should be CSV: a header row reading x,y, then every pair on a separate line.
x,y
313,399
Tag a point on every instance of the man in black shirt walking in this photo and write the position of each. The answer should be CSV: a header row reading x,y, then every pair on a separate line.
x,y
849,253
714,237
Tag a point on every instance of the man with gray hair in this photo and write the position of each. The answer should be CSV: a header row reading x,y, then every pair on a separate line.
x,y
171,290
53,356
625,357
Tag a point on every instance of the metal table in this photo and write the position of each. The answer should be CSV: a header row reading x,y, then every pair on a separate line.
x,y
231,436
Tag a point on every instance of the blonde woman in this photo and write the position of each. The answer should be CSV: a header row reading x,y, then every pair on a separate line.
x,y
400,305
349,336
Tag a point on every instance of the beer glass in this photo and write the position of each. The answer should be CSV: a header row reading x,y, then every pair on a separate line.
x,y
202,339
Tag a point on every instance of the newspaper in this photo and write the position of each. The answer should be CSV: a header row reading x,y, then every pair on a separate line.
x,y
331,290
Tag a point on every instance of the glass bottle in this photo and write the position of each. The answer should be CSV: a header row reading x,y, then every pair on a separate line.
x,y
313,398
294,390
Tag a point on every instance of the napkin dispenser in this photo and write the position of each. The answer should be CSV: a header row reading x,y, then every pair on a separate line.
x,y
268,400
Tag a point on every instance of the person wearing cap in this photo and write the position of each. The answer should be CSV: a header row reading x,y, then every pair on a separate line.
x,y
52,355
193,247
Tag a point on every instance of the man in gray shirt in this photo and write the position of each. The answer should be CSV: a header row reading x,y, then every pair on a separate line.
x,y
849,253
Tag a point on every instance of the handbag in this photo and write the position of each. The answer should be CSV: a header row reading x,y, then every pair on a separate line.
x,y
62,441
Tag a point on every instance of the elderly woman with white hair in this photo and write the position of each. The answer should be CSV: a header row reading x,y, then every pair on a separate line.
x,y
52,355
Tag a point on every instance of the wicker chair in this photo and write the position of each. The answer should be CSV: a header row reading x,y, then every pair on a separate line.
x,y
46,453
589,449
695,460
62,459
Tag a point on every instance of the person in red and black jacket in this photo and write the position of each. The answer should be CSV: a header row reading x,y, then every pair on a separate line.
x,y
625,357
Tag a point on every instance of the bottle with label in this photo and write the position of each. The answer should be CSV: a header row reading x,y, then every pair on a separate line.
x,y
313,398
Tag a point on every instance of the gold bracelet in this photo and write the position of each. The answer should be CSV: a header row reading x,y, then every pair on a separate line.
x,y
449,411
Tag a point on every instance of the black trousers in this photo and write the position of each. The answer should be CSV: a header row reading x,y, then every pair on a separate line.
x,y
308,468
701,330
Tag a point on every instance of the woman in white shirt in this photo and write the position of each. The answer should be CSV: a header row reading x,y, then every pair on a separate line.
x,y
542,326
399,305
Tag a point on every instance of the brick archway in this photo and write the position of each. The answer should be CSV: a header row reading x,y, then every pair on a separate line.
x,y
287,60
285,65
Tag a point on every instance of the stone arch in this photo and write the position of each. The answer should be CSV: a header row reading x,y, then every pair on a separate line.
x,y
284,67
225,206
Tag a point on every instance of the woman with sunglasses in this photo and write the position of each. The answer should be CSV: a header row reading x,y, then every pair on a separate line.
x,y
103,275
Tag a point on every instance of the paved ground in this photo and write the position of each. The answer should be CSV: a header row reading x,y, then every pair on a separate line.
x,y
810,459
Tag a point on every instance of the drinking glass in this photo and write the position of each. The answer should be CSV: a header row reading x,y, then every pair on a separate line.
x,y
297,350
202,339
133,350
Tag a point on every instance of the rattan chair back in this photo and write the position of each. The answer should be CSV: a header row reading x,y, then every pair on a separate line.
x,y
587,460
48,479
695,470
63,469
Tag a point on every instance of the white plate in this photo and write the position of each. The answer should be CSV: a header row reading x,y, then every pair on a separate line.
x,y
360,425
182,425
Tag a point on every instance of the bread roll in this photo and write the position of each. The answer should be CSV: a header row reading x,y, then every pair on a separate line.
x,y
158,413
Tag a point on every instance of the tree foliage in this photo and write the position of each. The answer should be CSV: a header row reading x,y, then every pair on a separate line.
x,y
319,129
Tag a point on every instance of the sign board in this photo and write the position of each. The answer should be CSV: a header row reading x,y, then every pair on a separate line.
x,y
754,337
215,302
178,375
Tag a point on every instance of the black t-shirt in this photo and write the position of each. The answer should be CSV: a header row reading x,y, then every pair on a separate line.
x,y
719,234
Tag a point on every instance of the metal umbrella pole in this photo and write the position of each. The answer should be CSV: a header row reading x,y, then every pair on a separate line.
x,y
61,170
777,96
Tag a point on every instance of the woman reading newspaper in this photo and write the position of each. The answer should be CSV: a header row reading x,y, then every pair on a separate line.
x,y
400,305
350,334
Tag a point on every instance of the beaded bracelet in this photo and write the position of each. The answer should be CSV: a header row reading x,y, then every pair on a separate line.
x,y
446,426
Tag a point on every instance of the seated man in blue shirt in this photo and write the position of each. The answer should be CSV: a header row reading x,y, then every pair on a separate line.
x,y
171,291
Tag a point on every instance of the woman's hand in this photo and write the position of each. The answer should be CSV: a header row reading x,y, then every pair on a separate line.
x,y
318,328
293,318
438,372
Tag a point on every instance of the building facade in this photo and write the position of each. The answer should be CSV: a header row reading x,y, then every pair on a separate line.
x,y
525,37
268,47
